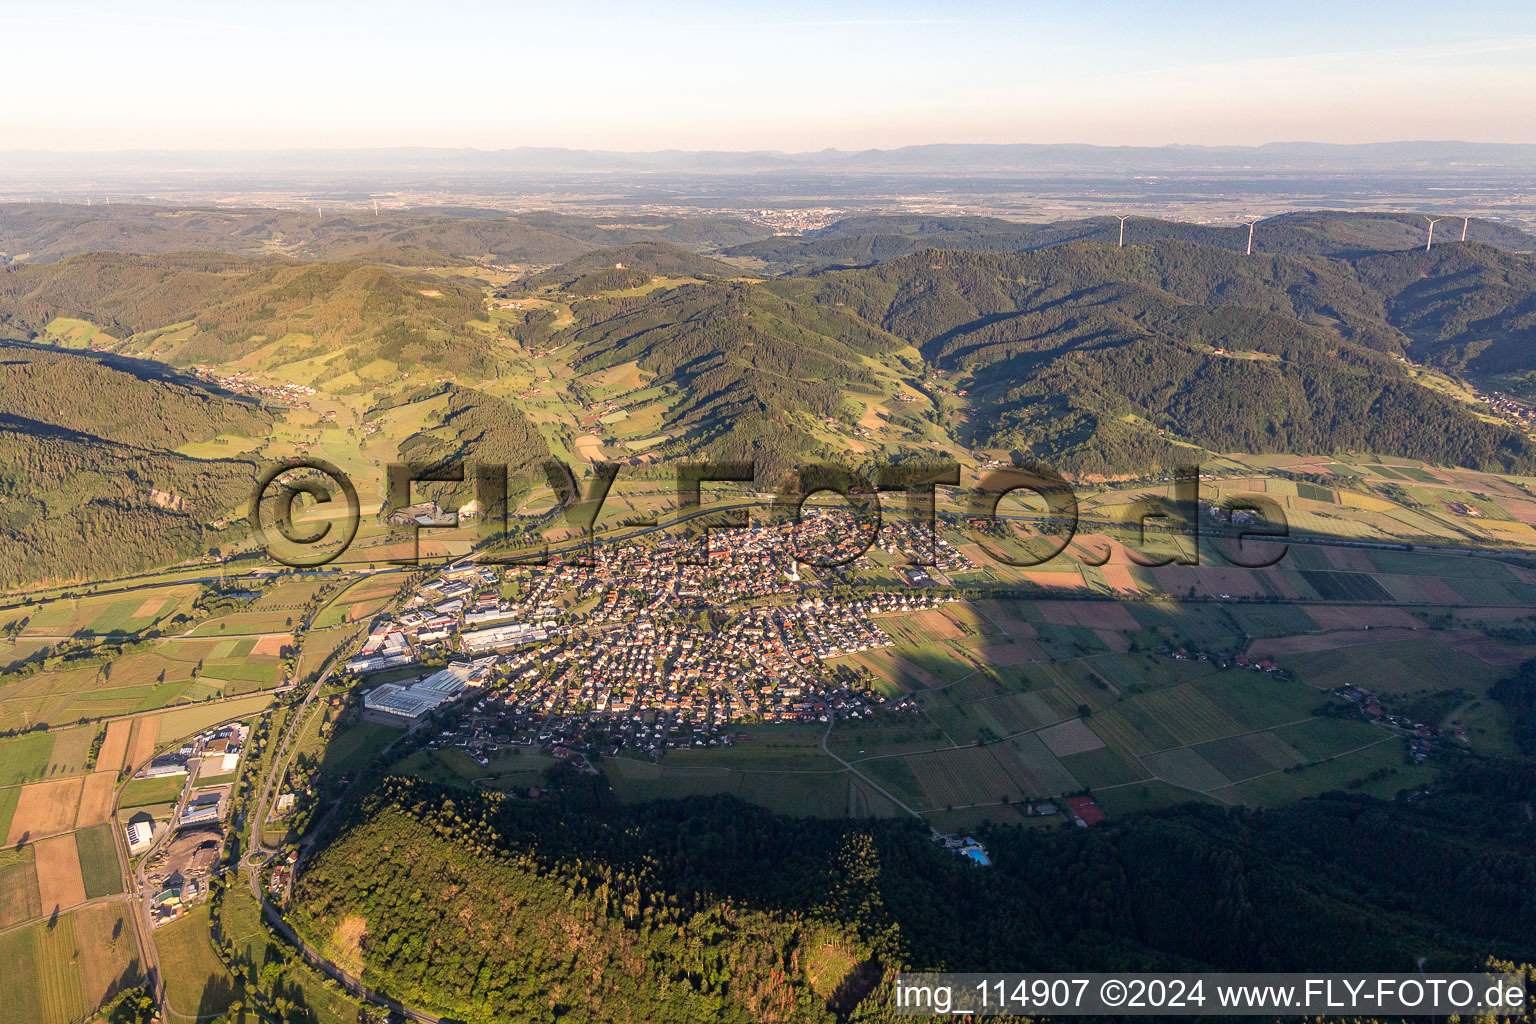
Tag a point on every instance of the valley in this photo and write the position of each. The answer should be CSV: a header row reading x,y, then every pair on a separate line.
x,y
1112,694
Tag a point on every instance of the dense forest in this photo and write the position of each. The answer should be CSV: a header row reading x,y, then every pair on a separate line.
x,y
485,430
1081,353
133,402
492,908
76,507
90,485
749,363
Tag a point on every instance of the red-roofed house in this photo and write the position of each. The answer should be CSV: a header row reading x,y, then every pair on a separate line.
x,y
1088,812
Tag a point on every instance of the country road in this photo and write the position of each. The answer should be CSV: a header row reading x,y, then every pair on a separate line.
x,y
831,721
281,760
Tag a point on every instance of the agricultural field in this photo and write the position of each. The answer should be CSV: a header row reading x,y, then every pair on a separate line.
x,y
240,922
9,797
144,792
103,614
318,645
353,747
902,735
60,884
362,599
249,623
508,770
951,622
168,673
25,758
279,609
1150,729
196,981
179,723
290,594
815,793
45,809
71,750
19,897
141,741
69,967
114,747
922,666
99,868
1378,769
1399,667
781,748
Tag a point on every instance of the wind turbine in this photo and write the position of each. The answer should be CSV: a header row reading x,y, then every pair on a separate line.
x,y
1250,233
1122,230
375,207
1464,222
1432,222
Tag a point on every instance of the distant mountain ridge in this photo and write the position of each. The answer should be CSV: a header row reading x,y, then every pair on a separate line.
x,y
869,239
948,157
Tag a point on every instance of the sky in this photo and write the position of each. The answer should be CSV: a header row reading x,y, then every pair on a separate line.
x,y
789,75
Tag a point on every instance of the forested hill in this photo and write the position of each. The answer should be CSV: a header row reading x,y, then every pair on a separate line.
x,y
207,308
130,402
91,484
1470,308
45,232
753,367
486,908
494,431
1082,353
624,266
864,240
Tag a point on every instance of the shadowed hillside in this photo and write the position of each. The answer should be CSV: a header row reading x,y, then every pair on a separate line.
x,y
90,484
712,908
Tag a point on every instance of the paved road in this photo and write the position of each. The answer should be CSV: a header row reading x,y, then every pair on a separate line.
x,y
280,763
831,721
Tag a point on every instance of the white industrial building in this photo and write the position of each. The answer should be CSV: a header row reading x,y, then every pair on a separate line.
x,y
430,693
512,634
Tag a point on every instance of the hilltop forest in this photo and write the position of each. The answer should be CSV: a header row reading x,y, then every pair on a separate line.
x,y
489,908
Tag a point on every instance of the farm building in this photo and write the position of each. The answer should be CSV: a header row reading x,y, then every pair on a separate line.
x,y
1087,812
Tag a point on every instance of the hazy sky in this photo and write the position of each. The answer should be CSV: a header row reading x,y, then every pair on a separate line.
x,y
794,76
